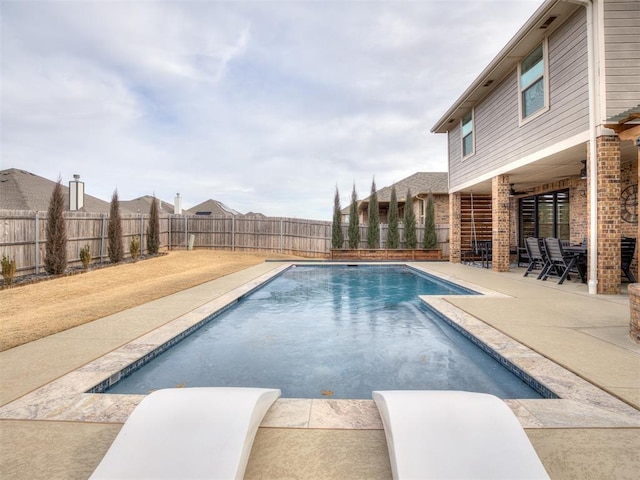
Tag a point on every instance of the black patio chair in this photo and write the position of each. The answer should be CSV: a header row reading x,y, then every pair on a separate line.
x,y
558,261
628,248
537,259
486,252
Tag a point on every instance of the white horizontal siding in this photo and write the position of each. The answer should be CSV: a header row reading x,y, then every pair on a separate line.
x,y
500,139
622,55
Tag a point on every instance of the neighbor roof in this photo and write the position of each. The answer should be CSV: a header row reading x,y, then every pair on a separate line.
x,y
22,190
143,205
212,207
418,183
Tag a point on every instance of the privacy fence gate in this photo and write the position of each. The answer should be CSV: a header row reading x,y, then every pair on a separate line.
x,y
23,235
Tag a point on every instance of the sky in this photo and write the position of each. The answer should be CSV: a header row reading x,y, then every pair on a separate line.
x,y
267,106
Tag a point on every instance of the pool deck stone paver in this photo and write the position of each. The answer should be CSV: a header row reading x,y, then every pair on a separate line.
x,y
321,438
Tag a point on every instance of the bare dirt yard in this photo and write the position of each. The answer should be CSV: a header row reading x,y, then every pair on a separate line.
x,y
33,311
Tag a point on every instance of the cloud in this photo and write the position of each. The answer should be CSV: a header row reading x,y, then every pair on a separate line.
x,y
265,106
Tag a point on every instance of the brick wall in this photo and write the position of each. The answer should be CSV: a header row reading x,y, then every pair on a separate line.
x,y
501,223
608,151
441,208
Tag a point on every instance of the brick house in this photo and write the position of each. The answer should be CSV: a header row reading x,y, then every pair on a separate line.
x,y
420,184
545,140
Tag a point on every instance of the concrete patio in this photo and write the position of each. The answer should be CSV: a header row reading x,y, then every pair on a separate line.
x,y
587,335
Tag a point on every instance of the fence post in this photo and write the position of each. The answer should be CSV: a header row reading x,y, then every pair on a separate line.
x,y
233,233
37,243
102,236
281,235
141,233
186,232
169,231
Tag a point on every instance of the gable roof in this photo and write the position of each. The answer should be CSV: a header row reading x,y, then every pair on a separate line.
x,y
143,205
22,190
212,207
553,13
418,183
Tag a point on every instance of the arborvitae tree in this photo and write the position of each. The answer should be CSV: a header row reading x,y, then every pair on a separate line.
x,y
430,239
153,229
373,232
114,230
410,238
55,260
337,237
354,225
393,235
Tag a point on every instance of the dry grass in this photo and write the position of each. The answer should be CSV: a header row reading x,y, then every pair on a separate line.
x,y
34,311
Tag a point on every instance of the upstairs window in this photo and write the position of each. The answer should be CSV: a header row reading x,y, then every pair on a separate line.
x,y
533,82
467,134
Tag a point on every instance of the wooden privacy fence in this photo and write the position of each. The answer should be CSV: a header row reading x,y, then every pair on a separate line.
x,y
23,235
309,238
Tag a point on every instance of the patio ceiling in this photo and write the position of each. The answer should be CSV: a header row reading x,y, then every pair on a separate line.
x,y
552,168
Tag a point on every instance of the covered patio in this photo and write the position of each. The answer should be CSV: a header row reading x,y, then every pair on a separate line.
x,y
582,192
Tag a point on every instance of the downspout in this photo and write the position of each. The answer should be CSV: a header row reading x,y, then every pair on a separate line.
x,y
593,161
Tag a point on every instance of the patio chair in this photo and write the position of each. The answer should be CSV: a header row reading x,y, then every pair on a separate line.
x,y
537,259
486,253
451,434
628,249
559,262
468,256
188,433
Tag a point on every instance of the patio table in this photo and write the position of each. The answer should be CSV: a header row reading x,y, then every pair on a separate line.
x,y
580,252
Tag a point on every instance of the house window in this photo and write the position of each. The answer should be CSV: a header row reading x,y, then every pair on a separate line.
x,y
533,82
544,216
467,134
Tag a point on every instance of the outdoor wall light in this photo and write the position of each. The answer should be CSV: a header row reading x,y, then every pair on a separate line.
x,y
583,171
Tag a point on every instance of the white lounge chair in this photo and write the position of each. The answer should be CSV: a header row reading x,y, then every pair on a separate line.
x,y
188,433
445,434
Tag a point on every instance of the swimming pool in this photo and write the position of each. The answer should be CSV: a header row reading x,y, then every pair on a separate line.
x,y
332,331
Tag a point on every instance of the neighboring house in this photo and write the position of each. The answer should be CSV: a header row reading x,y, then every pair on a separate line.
x,y
22,190
255,215
143,205
420,184
213,208
548,134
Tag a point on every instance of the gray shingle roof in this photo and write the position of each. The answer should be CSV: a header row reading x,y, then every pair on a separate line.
x,y
212,207
143,205
419,183
22,190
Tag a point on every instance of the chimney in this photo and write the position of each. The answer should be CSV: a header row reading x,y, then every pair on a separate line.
x,y
177,208
76,193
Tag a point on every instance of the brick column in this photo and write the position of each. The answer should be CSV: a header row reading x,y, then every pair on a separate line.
x,y
455,227
608,152
500,223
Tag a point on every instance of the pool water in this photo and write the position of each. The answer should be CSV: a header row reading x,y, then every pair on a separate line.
x,y
331,332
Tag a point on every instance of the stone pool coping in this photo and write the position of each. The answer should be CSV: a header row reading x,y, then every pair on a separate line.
x,y
581,404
